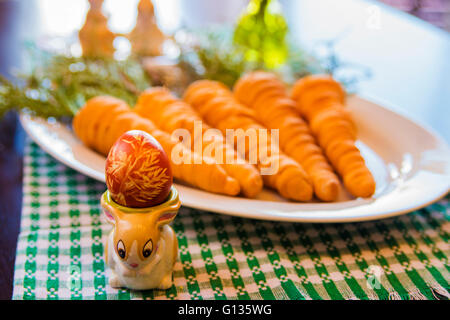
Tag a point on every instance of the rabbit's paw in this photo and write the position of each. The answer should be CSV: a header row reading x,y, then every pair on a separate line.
x,y
166,282
114,281
129,273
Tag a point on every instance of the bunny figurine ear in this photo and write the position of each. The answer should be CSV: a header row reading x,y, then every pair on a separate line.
x,y
169,210
166,217
109,216
110,212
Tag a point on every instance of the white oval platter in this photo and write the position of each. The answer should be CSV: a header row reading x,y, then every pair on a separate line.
x,y
410,163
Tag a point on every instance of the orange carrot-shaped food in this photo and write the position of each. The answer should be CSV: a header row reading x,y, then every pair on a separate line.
x,y
321,100
170,114
267,96
219,108
104,119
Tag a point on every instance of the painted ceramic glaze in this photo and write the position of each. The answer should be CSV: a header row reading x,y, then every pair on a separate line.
x,y
142,248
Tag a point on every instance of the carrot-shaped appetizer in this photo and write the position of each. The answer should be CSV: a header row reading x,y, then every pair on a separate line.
x,y
104,119
267,96
321,100
170,113
219,108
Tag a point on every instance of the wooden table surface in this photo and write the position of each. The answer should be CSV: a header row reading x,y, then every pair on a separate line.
x,y
409,60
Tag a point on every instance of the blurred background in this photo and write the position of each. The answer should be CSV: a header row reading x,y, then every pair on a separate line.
x,y
63,17
436,12
390,38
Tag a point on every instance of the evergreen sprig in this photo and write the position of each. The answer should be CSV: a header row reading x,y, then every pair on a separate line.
x,y
60,85
215,56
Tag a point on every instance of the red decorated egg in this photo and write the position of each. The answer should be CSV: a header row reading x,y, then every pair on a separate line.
x,y
138,173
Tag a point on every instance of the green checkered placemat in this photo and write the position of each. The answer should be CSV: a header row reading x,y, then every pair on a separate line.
x,y
61,243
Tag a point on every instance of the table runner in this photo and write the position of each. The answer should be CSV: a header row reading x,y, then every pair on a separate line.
x,y
61,243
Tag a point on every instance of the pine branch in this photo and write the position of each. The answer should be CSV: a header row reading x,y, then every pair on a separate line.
x,y
60,85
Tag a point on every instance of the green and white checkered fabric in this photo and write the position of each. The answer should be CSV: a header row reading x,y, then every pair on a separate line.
x,y
61,243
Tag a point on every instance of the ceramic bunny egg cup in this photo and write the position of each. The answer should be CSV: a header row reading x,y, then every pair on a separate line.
x,y
142,248
140,202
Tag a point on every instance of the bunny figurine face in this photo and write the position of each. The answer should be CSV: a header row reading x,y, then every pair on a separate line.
x,y
136,236
140,239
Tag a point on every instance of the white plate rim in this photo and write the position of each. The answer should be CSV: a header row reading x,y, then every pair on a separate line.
x,y
425,201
